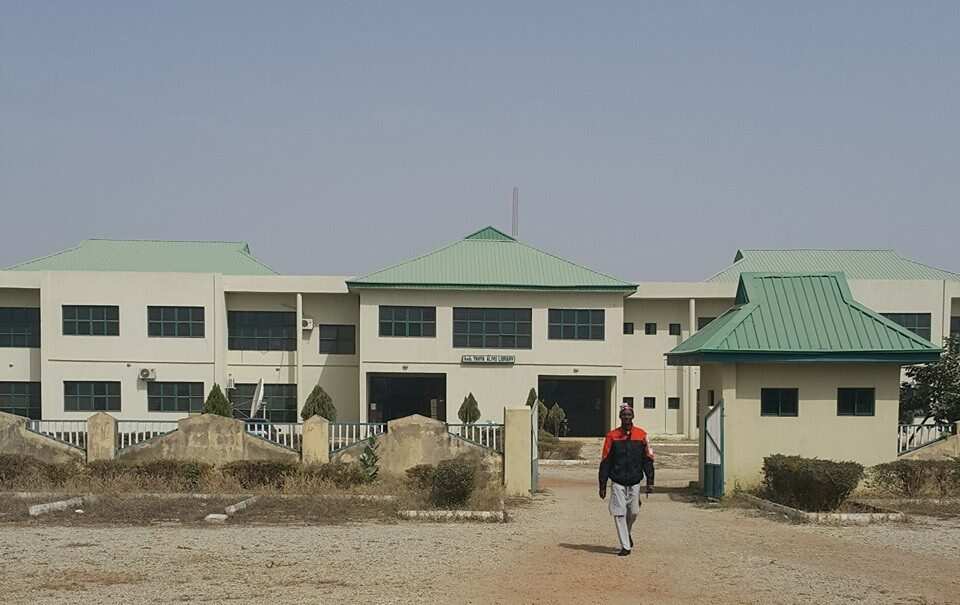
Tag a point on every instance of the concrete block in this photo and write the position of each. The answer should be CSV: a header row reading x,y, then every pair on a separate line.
x,y
101,437
50,507
239,506
215,518
517,451
315,448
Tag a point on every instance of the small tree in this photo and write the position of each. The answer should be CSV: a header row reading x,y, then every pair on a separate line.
x,y
934,390
555,418
542,412
469,411
319,403
217,403
370,460
532,398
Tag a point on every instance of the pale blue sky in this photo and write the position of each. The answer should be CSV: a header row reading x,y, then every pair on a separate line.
x,y
648,139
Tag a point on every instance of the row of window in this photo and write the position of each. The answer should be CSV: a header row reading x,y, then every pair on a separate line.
x,y
650,403
674,329
23,398
786,402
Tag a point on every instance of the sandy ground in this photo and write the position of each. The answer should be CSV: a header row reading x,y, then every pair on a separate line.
x,y
559,549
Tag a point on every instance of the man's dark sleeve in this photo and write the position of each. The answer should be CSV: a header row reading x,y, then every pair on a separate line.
x,y
648,469
605,461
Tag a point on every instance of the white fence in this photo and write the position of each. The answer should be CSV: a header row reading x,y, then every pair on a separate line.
x,y
912,436
284,434
132,432
345,434
71,432
486,435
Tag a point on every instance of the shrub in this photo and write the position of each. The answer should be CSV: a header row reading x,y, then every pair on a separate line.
x,y
542,413
908,478
340,474
20,470
370,461
556,418
319,403
531,397
217,403
421,476
546,437
107,470
453,482
252,475
187,473
809,484
469,410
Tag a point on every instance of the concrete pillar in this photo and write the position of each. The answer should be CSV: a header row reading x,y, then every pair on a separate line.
x,y
315,447
101,437
690,399
517,452
301,391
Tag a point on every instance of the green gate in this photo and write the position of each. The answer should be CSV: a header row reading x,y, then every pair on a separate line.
x,y
713,452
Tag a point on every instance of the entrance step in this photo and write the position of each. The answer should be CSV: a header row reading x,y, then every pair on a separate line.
x,y
592,446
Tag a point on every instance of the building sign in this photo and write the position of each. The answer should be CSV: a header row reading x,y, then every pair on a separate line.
x,y
489,359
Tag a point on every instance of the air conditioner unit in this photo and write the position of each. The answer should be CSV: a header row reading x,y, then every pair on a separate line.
x,y
231,384
148,374
306,323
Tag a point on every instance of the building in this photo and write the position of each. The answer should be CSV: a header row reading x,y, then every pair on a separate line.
x,y
143,329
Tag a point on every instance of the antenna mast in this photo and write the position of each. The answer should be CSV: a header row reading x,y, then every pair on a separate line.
x,y
516,213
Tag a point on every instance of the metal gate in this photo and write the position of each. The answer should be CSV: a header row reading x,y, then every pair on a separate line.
x,y
713,452
534,449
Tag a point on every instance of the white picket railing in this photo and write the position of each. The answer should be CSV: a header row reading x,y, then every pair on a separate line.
x,y
284,434
912,436
486,435
345,434
71,432
132,432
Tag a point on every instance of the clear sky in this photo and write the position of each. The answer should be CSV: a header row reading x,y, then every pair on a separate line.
x,y
649,140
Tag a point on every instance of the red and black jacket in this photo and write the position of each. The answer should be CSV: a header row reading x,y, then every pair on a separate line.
x,y
626,457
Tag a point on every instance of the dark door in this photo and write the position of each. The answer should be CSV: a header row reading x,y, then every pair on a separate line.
x,y
392,396
585,401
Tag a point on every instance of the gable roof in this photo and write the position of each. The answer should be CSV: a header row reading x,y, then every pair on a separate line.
x,y
491,260
856,264
780,317
228,258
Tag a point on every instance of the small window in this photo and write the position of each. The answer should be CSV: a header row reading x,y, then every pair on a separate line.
x,y
711,401
779,402
674,329
856,402
650,329
338,340
417,322
175,322
575,324
20,327
20,398
649,403
628,327
175,396
703,321
628,401
262,330
918,323
79,396
91,320
482,328
673,403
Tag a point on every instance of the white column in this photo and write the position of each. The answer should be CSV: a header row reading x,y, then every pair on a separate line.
x,y
301,391
690,400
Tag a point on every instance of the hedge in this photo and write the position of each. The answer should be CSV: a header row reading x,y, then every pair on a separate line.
x,y
809,484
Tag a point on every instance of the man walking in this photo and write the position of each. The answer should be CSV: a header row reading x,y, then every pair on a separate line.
x,y
626,458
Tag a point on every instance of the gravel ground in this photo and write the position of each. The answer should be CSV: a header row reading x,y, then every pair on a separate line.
x,y
558,549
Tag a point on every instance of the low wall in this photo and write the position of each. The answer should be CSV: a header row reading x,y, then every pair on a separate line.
x,y
16,439
939,450
419,440
208,438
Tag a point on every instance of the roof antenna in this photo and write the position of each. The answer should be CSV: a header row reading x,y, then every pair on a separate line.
x,y
514,232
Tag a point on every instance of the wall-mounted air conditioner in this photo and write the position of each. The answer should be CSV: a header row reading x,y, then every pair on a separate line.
x,y
306,323
148,374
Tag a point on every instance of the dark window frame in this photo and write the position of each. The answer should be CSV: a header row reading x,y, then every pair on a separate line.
x,y
628,327
918,323
576,324
649,403
21,398
628,401
780,397
404,321
492,328
90,320
262,330
673,403
20,327
342,342
279,400
650,328
856,401
175,397
92,396
703,322
675,329
176,322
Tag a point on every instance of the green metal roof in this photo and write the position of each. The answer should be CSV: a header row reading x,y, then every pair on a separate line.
x,y
781,317
856,264
491,260
228,258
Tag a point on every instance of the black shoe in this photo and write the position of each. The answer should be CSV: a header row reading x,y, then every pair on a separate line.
x,y
623,552
631,541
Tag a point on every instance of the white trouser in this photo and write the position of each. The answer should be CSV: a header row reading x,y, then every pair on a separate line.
x,y
624,506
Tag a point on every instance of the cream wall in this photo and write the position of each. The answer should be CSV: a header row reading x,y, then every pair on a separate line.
x,y
818,431
17,364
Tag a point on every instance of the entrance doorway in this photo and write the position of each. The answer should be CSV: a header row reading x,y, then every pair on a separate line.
x,y
586,402
392,396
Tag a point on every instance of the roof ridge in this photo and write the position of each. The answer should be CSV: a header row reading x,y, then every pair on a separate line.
x,y
579,266
473,236
409,260
166,241
40,258
819,250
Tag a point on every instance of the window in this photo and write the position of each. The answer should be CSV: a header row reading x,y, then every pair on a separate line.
x,y
650,329
91,320
91,396
856,402
649,403
628,401
19,327
20,398
262,330
279,400
408,321
955,327
182,322
175,396
628,327
673,403
703,321
575,324
779,402
918,323
674,329
491,328
338,340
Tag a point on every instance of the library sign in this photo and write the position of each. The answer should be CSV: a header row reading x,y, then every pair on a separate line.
x,y
488,359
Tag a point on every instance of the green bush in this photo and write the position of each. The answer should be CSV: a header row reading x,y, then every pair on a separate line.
x,y
909,478
421,476
187,472
469,410
531,397
340,474
809,484
546,437
453,482
555,419
319,403
217,403
370,460
16,469
251,475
